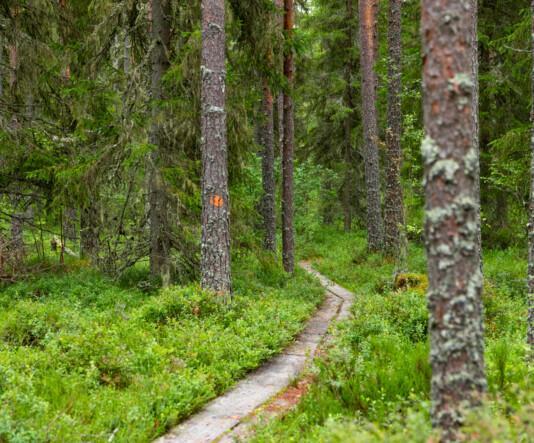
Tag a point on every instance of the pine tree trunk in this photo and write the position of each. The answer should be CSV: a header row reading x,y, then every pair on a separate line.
x,y
268,181
530,323
215,247
394,206
456,324
348,183
288,231
280,99
159,224
368,38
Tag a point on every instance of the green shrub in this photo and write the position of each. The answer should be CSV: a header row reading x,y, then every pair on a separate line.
x,y
85,359
374,383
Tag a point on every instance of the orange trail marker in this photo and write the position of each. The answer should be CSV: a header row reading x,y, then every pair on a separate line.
x,y
217,201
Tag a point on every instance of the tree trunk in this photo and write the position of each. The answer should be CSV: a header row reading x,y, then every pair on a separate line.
x,y
215,248
268,181
456,330
368,38
394,206
348,183
280,99
288,231
530,323
159,224
89,235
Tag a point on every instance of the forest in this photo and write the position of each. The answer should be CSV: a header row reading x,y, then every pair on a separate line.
x,y
266,221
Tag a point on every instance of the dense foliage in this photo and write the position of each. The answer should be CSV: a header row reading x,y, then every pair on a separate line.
x,y
86,359
373,385
97,346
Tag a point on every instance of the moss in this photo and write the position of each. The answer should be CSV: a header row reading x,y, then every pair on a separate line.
x,y
413,282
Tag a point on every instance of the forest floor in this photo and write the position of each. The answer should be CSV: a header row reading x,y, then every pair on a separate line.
x,y
373,384
83,358
263,392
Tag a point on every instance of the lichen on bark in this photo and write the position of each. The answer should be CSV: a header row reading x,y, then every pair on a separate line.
x,y
451,227
215,244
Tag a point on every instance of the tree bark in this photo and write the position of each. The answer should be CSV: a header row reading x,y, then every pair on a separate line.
x,y
288,231
280,99
530,322
368,46
348,184
268,180
456,328
215,247
159,224
394,205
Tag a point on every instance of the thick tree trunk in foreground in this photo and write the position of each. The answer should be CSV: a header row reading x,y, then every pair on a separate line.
x,y
288,233
368,45
530,324
394,206
215,248
267,162
159,223
456,330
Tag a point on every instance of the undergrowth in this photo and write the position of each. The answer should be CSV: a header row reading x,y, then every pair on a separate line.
x,y
83,358
374,383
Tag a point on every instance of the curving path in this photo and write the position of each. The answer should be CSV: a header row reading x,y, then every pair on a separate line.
x,y
223,417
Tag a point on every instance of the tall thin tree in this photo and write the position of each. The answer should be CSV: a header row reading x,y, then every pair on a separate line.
x,y
530,323
394,206
215,246
279,4
158,204
456,332
288,234
368,51
268,179
348,184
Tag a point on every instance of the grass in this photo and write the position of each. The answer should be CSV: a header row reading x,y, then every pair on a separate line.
x,y
83,358
374,383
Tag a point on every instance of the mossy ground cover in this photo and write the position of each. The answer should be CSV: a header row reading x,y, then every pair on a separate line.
x,y
373,385
84,359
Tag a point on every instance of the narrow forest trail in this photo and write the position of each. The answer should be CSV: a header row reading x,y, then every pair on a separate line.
x,y
227,417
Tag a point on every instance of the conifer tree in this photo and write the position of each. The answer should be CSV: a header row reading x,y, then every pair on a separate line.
x,y
288,234
530,322
215,246
455,279
369,50
159,224
394,205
